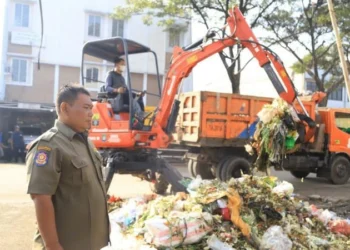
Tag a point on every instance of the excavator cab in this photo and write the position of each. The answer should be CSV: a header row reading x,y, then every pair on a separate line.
x,y
120,105
113,130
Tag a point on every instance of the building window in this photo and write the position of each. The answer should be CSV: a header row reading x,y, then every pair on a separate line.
x,y
92,75
311,86
117,28
174,38
336,95
22,15
94,26
19,71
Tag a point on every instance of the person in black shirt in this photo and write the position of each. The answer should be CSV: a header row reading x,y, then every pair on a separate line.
x,y
18,144
115,84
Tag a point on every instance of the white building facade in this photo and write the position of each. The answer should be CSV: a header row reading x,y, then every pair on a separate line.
x,y
67,26
337,99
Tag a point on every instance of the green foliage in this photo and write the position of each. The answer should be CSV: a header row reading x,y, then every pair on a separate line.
x,y
166,11
298,24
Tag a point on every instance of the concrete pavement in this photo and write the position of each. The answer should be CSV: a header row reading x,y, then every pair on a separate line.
x,y
17,216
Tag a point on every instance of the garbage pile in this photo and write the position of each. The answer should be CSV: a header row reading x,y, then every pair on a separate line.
x,y
246,213
275,135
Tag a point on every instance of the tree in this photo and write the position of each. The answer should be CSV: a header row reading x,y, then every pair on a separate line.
x,y
205,11
302,24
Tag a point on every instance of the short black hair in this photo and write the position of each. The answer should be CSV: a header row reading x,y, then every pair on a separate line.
x,y
69,93
118,60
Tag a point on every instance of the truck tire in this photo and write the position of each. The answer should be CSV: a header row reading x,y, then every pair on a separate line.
x,y
219,167
160,184
234,167
200,168
203,169
340,170
190,168
299,174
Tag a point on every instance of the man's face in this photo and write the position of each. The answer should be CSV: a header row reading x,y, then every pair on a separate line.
x,y
78,115
16,128
120,67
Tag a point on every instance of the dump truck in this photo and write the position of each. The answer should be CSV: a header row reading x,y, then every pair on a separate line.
x,y
215,127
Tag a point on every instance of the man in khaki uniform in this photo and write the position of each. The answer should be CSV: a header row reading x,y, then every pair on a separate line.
x,y
65,180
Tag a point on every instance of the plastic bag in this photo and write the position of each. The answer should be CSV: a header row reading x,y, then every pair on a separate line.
x,y
215,244
284,188
314,210
266,114
222,203
340,226
275,239
127,214
317,241
249,149
326,216
179,228
121,241
194,185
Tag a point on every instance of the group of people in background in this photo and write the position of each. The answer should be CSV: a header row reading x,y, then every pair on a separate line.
x,y
12,146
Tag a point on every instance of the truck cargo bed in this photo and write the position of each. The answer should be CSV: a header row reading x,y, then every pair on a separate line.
x,y
211,119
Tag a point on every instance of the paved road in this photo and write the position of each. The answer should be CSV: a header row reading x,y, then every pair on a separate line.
x,y
17,213
313,185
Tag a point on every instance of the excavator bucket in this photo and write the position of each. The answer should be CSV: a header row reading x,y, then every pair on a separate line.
x,y
172,175
161,166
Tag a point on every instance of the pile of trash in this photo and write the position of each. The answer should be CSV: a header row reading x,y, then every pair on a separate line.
x,y
275,135
246,213
114,202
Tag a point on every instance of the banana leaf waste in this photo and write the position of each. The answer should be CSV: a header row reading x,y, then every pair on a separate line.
x,y
247,213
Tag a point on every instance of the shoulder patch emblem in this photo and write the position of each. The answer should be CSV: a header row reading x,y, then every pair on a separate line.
x,y
41,158
44,148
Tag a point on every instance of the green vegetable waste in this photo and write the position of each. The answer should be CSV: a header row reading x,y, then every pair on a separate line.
x,y
264,204
275,135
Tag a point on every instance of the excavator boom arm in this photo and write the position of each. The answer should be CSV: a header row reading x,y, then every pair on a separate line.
x,y
241,33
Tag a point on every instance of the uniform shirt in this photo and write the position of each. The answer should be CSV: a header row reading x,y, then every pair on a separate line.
x,y
17,138
114,80
67,166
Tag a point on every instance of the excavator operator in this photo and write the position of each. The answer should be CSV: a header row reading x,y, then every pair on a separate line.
x,y
116,88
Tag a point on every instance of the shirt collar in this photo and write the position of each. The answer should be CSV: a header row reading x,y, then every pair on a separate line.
x,y
67,131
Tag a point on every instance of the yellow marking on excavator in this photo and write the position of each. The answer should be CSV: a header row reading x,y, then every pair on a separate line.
x,y
283,73
192,59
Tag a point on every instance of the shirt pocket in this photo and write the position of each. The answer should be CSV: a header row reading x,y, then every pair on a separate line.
x,y
79,171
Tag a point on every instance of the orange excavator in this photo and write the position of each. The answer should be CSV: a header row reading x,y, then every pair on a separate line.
x,y
130,149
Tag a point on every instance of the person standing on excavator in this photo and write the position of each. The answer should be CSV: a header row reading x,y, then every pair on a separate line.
x,y
115,84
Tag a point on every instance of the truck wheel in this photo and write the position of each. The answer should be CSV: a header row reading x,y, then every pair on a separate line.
x,y
219,167
160,184
340,170
203,170
190,168
234,167
299,174
200,168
